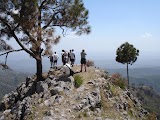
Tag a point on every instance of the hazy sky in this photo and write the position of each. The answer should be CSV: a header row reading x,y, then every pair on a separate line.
x,y
115,22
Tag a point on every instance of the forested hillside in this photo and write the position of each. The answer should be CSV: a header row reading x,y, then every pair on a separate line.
x,y
9,80
146,76
149,99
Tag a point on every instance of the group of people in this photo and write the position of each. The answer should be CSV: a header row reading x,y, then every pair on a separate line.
x,y
68,57
53,59
68,60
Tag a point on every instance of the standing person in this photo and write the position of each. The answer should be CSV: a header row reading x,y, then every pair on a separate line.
x,y
73,57
64,57
69,56
51,60
55,58
83,60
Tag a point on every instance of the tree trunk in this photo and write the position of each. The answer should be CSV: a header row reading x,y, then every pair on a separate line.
x,y
6,60
127,76
39,70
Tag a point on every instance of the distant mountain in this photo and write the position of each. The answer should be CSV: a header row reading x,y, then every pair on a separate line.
x,y
146,76
149,99
9,80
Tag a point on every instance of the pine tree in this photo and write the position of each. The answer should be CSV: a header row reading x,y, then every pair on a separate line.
x,y
127,54
32,23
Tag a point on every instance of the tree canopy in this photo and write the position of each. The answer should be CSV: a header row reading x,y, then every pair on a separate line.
x,y
32,23
127,54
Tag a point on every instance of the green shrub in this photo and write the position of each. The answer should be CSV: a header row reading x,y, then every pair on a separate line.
x,y
105,76
119,81
152,116
78,80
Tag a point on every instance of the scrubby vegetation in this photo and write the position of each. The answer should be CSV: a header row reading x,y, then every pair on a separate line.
x,y
118,80
78,80
89,63
149,99
105,75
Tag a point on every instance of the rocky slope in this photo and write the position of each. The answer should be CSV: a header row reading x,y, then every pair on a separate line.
x,y
9,79
57,98
148,98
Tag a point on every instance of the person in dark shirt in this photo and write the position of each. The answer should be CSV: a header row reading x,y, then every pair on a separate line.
x,y
83,60
51,60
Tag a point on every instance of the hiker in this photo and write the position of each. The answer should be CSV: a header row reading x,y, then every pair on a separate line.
x,y
55,58
67,73
72,57
83,60
64,57
67,70
69,56
51,60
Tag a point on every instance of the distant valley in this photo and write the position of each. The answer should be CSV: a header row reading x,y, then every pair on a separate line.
x,y
146,76
138,73
9,80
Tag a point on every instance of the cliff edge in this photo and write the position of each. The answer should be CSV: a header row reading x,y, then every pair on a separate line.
x,y
57,98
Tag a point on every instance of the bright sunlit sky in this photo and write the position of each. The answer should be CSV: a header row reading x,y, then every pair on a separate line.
x,y
114,22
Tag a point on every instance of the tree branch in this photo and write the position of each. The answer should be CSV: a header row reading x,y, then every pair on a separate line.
x,y
63,31
42,4
22,46
29,35
17,40
6,60
52,18
5,22
16,27
11,51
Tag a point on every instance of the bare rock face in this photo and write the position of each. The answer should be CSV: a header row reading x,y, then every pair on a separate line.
x,y
56,98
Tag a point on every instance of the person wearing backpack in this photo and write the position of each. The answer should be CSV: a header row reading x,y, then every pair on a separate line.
x,y
62,56
73,57
69,56
67,70
51,60
65,57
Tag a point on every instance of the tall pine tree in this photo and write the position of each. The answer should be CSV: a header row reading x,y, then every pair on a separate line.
x,y
32,23
127,54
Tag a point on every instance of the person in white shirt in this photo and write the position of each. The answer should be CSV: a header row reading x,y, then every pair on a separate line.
x,y
55,58
66,69
67,73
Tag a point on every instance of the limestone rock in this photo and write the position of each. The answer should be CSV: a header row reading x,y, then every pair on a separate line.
x,y
56,98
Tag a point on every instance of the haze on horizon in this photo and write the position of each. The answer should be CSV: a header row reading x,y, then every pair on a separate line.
x,y
113,23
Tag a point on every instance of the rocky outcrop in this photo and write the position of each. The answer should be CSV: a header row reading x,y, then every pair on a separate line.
x,y
56,98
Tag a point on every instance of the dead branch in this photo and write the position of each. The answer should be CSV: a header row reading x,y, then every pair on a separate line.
x,y
10,52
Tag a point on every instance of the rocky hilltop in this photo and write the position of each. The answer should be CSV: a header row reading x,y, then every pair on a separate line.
x,y
57,98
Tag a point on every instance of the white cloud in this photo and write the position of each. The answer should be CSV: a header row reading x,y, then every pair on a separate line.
x,y
146,35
